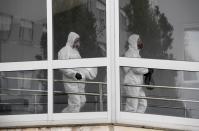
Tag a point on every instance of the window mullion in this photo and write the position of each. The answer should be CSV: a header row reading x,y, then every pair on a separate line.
x,y
110,60
50,59
116,59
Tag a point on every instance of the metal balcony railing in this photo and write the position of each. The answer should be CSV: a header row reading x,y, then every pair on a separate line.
x,y
164,87
164,98
101,93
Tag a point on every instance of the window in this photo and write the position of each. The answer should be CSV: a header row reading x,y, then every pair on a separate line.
x,y
164,92
80,51
69,16
40,92
23,77
160,26
22,37
79,62
154,45
23,92
91,95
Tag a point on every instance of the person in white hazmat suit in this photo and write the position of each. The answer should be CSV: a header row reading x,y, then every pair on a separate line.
x,y
134,76
70,51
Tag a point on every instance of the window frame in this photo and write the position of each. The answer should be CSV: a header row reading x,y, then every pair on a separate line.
x,y
112,62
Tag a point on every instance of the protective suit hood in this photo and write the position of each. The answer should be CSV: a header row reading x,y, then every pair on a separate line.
x,y
133,41
71,38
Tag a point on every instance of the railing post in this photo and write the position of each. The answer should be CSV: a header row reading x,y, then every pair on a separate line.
x,y
185,110
101,97
96,103
35,101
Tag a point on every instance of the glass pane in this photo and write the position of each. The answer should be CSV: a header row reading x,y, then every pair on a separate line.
x,y
79,29
23,34
166,30
80,90
23,92
166,92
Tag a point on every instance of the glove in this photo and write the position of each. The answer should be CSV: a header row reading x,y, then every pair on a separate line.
x,y
151,71
78,76
148,80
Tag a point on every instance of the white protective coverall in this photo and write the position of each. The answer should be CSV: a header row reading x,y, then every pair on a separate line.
x,y
75,102
134,76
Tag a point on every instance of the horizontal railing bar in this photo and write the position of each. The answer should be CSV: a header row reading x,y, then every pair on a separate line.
x,y
23,78
39,79
90,94
165,96
46,94
164,99
153,106
27,90
6,94
170,107
181,108
168,87
169,97
25,104
55,92
85,82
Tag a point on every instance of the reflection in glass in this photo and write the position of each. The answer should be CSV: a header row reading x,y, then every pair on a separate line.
x,y
22,33
161,25
26,30
167,92
191,40
23,92
87,18
80,90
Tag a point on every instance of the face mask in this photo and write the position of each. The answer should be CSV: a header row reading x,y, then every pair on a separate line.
x,y
140,44
76,44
